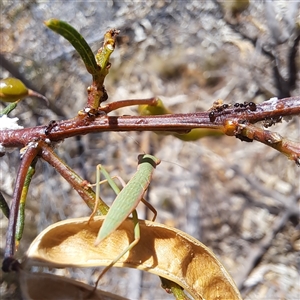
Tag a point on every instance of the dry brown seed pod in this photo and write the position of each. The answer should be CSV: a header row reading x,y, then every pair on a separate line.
x,y
162,250
36,286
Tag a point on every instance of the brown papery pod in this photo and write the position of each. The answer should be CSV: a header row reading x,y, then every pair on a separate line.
x,y
162,250
37,286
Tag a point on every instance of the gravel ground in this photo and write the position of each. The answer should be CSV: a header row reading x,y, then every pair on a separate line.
x,y
231,195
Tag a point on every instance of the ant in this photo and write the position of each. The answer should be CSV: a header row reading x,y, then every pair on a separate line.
x,y
50,126
218,108
272,121
249,105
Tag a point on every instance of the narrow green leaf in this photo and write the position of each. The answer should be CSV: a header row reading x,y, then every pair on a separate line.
x,y
9,108
194,135
158,109
78,42
21,213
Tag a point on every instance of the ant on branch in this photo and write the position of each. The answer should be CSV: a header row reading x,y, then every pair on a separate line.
x,y
218,108
247,105
50,126
272,121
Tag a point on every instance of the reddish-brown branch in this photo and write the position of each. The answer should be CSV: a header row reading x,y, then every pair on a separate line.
x,y
289,148
86,193
46,152
30,154
124,103
84,124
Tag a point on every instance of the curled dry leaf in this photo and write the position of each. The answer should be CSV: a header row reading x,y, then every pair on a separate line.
x,y
36,286
162,250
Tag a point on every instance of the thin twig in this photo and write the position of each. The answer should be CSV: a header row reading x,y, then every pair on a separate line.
x,y
79,184
30,154
287,147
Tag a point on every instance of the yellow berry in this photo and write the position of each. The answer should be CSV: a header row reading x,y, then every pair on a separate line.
x,y
12,89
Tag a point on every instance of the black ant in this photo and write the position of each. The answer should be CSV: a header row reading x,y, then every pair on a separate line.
x,y
50,126
248,105
218,108
272,121
217,111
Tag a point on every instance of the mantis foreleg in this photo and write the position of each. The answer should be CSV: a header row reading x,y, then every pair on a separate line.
x,y
126,201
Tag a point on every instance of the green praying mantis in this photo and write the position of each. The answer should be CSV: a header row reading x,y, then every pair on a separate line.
x,y
125,203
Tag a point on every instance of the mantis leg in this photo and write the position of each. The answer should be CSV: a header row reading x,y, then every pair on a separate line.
x,y
151,208
109,179
98,168
126,202
128,248
116,189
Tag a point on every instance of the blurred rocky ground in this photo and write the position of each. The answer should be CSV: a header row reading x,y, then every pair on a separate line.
x,y
231,195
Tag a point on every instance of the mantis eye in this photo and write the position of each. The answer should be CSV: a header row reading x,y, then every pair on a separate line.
x,y
12,89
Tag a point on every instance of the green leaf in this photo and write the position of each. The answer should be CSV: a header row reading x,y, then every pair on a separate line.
x,y
198,133
193,135
77,41
21,213
158,109
9,108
